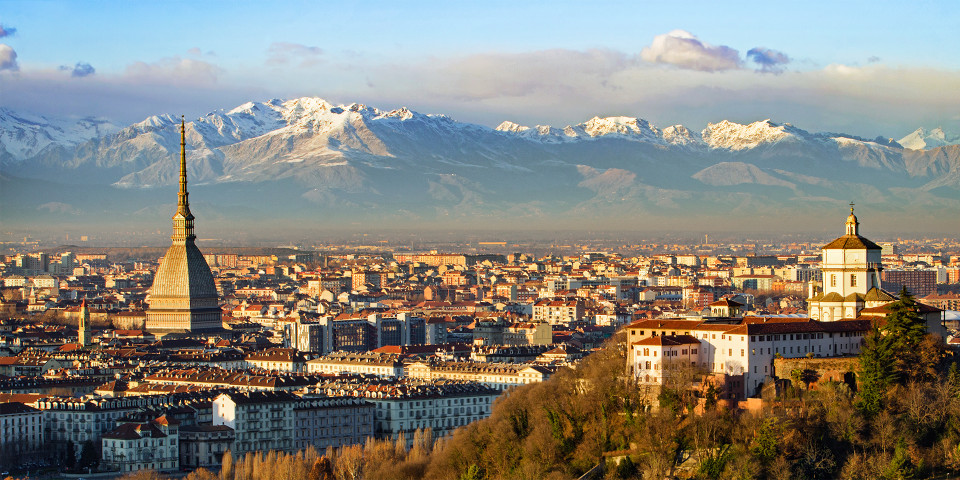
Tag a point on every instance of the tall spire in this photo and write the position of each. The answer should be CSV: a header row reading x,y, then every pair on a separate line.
x,y
183,219
183,205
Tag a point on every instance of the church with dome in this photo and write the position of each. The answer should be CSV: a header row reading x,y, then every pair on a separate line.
x,y
183,297
851,267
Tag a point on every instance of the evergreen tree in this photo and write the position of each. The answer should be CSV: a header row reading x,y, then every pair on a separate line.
x,y
904,321
70,455
878,370
88,455
908,331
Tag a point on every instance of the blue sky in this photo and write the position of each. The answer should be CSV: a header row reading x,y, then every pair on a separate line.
x,y
867,68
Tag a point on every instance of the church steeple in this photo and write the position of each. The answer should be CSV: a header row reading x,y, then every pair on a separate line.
x,y
853,226
83,326
183,219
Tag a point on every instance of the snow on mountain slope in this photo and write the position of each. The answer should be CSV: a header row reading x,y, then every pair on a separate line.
x,y
23,135
316,142
734,136
919,139
291,156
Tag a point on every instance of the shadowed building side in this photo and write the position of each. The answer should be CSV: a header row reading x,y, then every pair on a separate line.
x,y
183,297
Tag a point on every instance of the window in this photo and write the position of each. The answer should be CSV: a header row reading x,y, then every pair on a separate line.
x,y
853,279
833,280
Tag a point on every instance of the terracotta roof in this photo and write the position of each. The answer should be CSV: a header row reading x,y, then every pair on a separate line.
x,y
669,340
667,323
805,327
832,297
877,295
851,242
882,310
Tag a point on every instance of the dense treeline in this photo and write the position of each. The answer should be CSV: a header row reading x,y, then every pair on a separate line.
x,y
903,422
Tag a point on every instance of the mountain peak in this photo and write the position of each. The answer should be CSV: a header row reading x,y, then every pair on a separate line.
x,y
920,139
734,136
597,126
508,126
25,135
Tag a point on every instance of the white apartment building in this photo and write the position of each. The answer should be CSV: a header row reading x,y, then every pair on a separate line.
x,y
499,376
554,311
21,433
282,421
745,349
78,421
332,422
405,407
263,421
153,445
381,364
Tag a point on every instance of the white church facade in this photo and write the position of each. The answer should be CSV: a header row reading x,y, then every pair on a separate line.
x,y
851,268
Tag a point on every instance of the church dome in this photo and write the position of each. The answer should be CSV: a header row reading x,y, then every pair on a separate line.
x,y
852,240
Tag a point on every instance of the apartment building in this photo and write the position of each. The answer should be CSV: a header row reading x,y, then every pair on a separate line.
x,y
407,406
556,311
21,433
744,349
384,365
152,445
263,421
498,376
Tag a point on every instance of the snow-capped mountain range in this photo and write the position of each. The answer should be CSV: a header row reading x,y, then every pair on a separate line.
x,y
24,135
922,140
306,153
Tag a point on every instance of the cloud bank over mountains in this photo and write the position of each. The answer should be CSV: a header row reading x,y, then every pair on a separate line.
x,y
676,77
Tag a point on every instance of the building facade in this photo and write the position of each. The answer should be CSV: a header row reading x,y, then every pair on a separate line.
x,y
852,269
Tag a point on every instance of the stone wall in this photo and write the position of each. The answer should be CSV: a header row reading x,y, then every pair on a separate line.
x,y
808,372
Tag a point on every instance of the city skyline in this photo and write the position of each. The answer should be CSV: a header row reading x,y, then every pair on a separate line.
x,y
537,63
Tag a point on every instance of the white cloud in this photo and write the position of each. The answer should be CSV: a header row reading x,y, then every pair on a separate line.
x,y
173,71
283,53
560,87
685,50
8,58
555,87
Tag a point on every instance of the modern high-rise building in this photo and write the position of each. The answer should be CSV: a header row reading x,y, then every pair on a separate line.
x,y
183,297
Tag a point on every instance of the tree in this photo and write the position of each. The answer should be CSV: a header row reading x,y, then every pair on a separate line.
x,y
904,324
764,445
89,457
321,470
70,455
226,468
904,321
878,370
